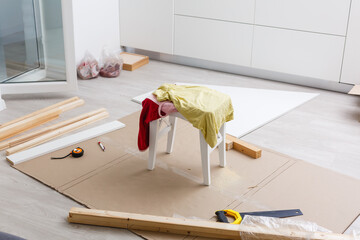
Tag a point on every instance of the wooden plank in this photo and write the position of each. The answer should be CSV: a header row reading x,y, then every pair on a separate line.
x,y
190,227
229,144
133,61
24,138
63,142
56,133
242,146
40,111
28,123
355,90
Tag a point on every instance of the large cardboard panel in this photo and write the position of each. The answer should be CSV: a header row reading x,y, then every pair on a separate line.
x,y
57,173
129,187
325,197
118,179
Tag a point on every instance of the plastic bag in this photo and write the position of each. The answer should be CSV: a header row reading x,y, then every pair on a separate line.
x,y
280,226
88,67
111,63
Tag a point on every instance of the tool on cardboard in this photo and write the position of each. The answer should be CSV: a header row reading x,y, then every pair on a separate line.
x,y
76,153
221,214
101,146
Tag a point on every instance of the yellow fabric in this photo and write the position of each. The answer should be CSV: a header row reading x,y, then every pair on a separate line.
x,y
205,108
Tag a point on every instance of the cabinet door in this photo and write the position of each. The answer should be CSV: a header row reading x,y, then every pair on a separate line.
x,y
298,53
213,40
228,10
147,24
322,16
351,66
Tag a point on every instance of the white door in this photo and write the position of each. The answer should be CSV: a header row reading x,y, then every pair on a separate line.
x,y
36,47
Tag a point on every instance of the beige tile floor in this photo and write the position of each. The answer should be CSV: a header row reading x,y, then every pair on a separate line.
x,y
324,131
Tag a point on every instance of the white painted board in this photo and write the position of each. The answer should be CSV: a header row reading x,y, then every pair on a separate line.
x,y
322,16
351,65
253,108
299,53
229,10
64,142
147,24
213,40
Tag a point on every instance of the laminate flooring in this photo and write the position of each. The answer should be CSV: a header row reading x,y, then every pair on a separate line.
x,y
324,131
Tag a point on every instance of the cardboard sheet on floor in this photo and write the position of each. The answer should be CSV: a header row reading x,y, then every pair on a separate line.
x,y
117,179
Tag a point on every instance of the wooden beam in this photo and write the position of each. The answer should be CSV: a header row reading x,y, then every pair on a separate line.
x,y
40,111
242,146
63,142
24,138
56,133
190,227
28,123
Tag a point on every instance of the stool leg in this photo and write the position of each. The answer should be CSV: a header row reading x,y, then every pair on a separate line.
x,y
171,134
205,159
222,146
154,129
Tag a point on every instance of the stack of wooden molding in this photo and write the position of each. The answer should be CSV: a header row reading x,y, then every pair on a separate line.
x,y
37,118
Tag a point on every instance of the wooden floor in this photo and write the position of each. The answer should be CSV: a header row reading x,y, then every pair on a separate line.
x,y
324,131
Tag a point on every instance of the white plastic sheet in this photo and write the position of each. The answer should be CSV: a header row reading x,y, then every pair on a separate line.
x,y
280,226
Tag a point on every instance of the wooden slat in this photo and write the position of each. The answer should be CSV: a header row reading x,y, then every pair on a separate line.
x,y
24,138
40,111
28,123
242,146
72,105
190,227
56,133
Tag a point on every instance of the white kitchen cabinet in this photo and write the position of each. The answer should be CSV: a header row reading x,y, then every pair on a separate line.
x,y
213,40
227,10
351,65
322,16
147,24
299,53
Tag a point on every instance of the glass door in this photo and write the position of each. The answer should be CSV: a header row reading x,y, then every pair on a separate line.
x,y
19,50
32,46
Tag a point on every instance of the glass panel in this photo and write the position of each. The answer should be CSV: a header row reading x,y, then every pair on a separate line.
x,y
31,41
18,43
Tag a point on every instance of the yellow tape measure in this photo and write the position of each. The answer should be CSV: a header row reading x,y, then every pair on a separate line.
x,y
76,153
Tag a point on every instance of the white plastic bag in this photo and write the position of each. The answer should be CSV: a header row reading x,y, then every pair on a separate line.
x,y
111,63
88,67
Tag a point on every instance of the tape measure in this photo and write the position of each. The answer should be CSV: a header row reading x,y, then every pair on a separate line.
x,y
76,153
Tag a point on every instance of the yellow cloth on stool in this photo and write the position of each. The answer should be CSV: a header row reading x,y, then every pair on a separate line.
x,y
205,108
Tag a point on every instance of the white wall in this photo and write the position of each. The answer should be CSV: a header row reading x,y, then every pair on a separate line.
x,y
2,103
96,24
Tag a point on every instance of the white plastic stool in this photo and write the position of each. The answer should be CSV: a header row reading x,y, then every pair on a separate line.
x,y
155,134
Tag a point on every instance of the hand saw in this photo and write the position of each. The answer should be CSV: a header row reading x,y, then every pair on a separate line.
x,y
221,215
